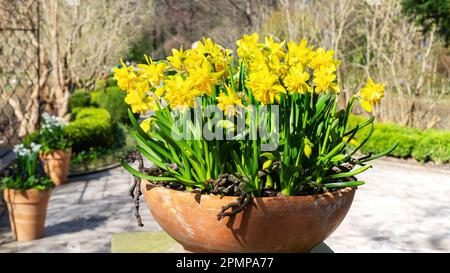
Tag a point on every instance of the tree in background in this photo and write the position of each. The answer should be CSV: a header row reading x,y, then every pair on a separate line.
x,y
175,23
82,40
374,38
429,14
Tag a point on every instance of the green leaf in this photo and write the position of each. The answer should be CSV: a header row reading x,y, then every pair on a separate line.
x,y
268,155
364,141
135,172
386,152
344,184
157,161
351,173
360,126
136,125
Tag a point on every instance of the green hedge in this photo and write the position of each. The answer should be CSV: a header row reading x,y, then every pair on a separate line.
x,y
433,146
92,127
421,145
113,101
100,85
80,98
111,82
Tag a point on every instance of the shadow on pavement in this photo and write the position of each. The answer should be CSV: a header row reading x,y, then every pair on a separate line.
x,y
75,225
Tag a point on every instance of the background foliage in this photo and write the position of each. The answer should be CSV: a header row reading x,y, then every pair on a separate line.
x,y
428,145
429,14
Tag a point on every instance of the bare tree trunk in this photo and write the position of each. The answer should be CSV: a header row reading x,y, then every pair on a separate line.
x,y
59,92
290,25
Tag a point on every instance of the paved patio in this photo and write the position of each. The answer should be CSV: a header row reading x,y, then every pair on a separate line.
x,y
402,208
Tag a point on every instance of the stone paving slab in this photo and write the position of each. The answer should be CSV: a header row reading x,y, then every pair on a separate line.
x,y
402,208
82,215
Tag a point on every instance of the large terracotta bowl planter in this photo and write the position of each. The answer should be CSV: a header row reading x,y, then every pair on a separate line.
x,y
271,224
56,165
27,212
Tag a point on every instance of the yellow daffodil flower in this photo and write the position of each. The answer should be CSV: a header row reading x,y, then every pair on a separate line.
x,y
276,66
177,58
125,76
139,100
203,78
265,86
271,69
324,80
146,125
370,95
258,62
273,48
152,72
228,102
193,59
322,59
215,54
247,47
160,91
207,47
179,93
296,80
298,54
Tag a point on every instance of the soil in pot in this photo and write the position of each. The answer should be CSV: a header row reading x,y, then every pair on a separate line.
x,y
27,212
56,165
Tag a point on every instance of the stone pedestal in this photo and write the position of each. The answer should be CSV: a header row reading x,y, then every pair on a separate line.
x,y
160,242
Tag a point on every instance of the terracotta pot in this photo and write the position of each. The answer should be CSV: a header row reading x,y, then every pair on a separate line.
x,y
27,212
271,224
56,165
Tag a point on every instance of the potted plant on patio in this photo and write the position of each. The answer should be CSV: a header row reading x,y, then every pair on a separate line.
x,y
26,191
56,148
250,153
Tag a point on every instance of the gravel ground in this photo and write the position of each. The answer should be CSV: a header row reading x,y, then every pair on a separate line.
x,y
402,208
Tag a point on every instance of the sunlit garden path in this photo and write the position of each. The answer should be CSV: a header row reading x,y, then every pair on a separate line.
x,y
402,208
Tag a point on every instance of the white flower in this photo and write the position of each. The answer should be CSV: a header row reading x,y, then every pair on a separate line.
x,y
35,147
49,121
21,150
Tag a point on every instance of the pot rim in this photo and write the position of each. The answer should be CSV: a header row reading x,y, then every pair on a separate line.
x,y
65,151
28,196
28,190
233,198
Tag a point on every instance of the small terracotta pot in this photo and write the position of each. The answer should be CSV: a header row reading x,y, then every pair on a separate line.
x,y
27,212
56,165
270,224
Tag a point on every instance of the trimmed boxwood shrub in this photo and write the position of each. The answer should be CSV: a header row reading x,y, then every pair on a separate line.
x,y
111,82
433,146
386,135
421,145
80,98
113,101
381,141
100,85
92,127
